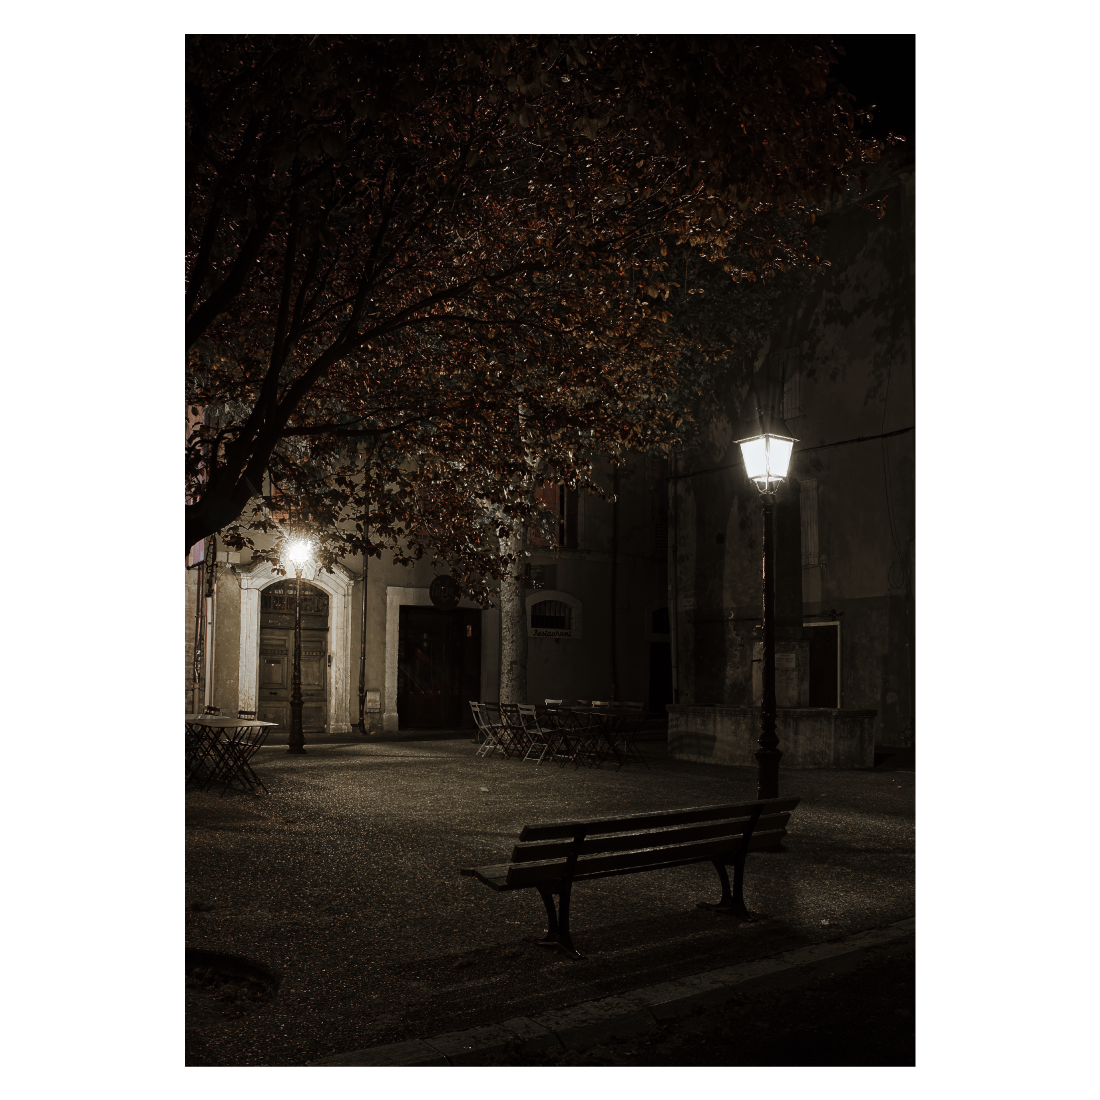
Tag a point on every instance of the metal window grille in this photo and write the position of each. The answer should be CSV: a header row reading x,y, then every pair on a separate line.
x,y
551,615
808,511
281,596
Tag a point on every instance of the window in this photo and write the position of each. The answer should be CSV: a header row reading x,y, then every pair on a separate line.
x,y
808,512
567,518
551,615
562,502
540,576
791,400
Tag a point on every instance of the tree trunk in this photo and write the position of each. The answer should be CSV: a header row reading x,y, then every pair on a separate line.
x,y
513,624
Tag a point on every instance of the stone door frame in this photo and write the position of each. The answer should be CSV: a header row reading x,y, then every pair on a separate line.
x,y
338,587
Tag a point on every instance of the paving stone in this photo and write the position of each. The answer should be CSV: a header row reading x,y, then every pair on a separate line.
x,y
413,1053
597,1021
532,1035
460,1047
670,1000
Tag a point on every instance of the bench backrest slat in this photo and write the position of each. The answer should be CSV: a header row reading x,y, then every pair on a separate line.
x,y
649,838
561,829
530,874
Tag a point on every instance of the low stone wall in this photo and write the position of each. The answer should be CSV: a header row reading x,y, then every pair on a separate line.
x,y
809,737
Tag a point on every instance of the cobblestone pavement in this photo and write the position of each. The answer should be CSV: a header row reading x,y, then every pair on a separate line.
x,y
344,882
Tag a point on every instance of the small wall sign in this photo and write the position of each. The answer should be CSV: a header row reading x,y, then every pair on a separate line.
x,y
444,593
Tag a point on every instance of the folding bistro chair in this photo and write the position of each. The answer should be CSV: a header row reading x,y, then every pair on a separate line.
x,y
205,755
578,738
634,733
237,752
558,719
200,743
631,718
540,738
487,728
513,736
607,737
476,712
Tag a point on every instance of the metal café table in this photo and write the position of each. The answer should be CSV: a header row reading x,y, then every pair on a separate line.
x,y
220,748
591,734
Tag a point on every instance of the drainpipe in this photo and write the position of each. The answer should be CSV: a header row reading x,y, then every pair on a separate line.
x,y
673,579
614,582
211,589
197,662
362,725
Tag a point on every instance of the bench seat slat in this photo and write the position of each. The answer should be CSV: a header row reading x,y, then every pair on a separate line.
x,y
553,849
509,876
562,829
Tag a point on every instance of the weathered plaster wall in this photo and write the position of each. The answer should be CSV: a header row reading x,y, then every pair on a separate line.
x,y
191,582
226,630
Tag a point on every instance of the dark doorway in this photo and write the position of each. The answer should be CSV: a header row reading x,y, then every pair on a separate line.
x,y
438,667
824,665
660,677
660,663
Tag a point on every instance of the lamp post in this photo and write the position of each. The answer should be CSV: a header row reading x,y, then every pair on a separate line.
x,y
299,551
767,454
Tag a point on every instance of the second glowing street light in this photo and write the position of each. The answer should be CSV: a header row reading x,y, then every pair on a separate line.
x,y
767,454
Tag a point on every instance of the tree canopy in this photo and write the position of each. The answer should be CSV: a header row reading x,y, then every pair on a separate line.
x,y
456,255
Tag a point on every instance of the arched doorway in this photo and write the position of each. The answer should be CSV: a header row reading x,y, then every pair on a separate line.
x,y
277,606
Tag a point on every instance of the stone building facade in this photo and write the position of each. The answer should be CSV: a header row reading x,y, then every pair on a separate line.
x,y
657,599
597,624
838,366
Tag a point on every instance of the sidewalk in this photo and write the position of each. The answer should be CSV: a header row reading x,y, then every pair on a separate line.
x,y
344,882
688,1023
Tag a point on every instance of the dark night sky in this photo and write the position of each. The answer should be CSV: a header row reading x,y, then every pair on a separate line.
x,y
881,69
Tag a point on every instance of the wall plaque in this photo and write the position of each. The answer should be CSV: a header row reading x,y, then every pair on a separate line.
x,y
444,593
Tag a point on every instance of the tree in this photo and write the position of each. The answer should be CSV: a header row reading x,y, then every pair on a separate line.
x,y
453,252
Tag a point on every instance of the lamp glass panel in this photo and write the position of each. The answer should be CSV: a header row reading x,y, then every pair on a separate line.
x,y
298,551
755,453
779,456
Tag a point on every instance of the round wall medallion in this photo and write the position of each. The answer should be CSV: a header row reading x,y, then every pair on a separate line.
x,y
444,593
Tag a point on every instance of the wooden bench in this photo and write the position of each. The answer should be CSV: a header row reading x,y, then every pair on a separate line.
x,y
551,857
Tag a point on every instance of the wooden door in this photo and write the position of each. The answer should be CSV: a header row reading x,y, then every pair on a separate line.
x,y
438,667
277,656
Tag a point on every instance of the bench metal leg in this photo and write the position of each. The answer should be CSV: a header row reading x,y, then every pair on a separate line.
x,y
557,934
733,901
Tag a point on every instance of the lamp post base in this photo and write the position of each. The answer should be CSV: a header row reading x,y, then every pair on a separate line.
x,y
767,774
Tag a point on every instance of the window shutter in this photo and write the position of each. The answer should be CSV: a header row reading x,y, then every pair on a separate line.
x,y
808,511
567,510
791,398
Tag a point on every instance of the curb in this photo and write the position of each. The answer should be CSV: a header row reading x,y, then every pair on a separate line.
x,y
585,1025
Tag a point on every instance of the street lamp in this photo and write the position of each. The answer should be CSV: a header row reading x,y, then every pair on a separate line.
x,y
298,551
767,454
